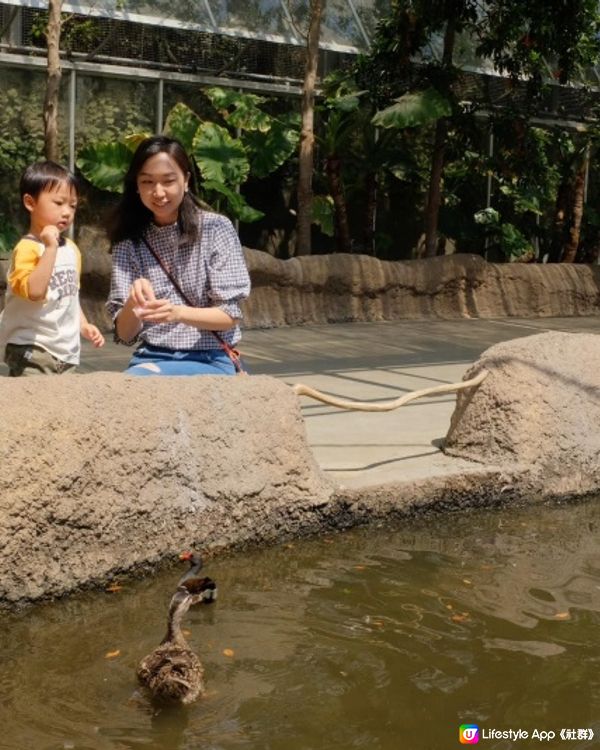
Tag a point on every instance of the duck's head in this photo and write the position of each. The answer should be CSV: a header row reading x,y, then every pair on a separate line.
x,y
193,558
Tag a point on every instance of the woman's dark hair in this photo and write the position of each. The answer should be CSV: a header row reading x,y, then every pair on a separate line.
x,y
45,175
131,217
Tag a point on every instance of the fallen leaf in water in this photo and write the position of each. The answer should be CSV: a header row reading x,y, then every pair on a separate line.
x,y
113,588
112,654
378,623
562,616
186,632
461,617
290,546
328,541
466,580
359,567
449,606
228,652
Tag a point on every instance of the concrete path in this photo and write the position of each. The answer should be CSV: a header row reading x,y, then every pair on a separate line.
x,y
373,362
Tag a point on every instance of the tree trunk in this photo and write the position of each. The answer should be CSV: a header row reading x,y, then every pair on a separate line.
x,y
333,168
434,196
570,250
561,209
370,212
53,81
307,138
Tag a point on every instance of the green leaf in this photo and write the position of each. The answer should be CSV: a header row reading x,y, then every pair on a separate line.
x,y
105,164
182,123
239,209
523,202
346,102
9,236
513,242
414,109
246,114
323,212
219,156
133,140
487,217
271,149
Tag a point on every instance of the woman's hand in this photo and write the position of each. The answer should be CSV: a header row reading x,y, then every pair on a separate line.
x,y
159,311
141,292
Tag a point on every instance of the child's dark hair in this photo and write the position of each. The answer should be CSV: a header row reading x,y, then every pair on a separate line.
x,y
131,217
45,175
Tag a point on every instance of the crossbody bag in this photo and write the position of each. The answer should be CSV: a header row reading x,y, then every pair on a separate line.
x,y
233,354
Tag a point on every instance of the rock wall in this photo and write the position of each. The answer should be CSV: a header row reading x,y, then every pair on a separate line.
x,y
102,473
538,409
337,288
342,287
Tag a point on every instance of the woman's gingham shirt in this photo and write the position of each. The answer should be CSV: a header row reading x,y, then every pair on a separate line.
x,y
212,272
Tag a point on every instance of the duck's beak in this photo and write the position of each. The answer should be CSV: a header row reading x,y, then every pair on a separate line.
x,y
185,556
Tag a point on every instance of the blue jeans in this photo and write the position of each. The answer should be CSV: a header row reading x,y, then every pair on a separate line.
x,y
156,360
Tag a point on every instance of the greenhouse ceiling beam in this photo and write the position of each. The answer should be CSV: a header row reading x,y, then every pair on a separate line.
x,y
210,25
359,23
144,74
292,25
210,14
540,120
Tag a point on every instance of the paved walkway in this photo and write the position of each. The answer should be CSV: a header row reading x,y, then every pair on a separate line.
x,y
373,362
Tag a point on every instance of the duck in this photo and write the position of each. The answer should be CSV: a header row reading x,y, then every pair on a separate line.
x,y
173,673
203,587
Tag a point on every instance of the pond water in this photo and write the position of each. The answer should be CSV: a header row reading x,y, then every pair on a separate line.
x,y
380,638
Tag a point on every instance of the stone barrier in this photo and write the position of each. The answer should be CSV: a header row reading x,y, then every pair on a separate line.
x,y
538,411
103,472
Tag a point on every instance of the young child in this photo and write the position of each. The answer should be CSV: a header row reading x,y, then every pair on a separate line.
x,y
42,321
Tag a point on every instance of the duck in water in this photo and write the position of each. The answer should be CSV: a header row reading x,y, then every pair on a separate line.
x,y
172,672
192,579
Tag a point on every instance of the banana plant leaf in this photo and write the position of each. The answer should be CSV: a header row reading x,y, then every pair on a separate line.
x,y
246,114
219,156
414,109
105,164
238,208
271,149
323,213
182,123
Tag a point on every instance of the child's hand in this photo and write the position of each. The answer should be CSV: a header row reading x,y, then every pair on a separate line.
x,y
50,235
91,333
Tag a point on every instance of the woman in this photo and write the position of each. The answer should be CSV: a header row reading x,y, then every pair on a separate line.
x,y
179,273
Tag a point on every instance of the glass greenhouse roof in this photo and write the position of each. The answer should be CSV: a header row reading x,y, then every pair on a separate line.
x,y
347,26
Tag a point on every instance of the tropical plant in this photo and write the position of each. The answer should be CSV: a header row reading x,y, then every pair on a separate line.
x,y
536,41
248,141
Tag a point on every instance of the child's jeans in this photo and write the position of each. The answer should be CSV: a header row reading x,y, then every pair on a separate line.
x,y
29,359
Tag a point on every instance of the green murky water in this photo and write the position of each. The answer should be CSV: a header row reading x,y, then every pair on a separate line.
x,y
379,638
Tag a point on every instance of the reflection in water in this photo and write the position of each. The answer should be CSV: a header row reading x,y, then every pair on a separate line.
x,y
378,638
